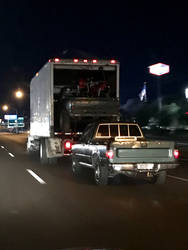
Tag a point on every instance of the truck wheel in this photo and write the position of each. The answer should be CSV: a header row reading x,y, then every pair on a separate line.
x,y
159,179
101,173
43,155
76,169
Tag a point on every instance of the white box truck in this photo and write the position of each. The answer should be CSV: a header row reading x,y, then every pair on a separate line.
x,y
66,95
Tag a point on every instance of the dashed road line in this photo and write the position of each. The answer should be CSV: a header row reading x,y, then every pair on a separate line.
x,y
11,154
41,181
177,178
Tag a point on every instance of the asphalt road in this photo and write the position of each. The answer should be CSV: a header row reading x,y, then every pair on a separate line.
x,y
57,210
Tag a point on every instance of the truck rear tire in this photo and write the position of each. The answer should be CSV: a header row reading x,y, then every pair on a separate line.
x,y
43,155
101,173
159,179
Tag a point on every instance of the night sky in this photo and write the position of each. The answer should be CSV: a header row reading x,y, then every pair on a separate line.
x,y
137,36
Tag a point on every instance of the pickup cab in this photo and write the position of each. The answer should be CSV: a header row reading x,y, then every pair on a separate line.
x,y
120,148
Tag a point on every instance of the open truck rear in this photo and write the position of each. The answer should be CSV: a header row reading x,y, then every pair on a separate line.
x,y
60,110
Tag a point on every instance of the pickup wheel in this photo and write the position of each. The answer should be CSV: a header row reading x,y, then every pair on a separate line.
x,y
101,173
76,169
159,179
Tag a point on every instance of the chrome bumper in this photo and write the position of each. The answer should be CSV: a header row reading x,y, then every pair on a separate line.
x,y
143,167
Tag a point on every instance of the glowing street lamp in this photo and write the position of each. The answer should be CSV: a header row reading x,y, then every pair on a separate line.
x,y
19,94
5,107
159,69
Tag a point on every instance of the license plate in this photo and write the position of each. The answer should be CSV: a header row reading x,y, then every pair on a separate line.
x,y
145,166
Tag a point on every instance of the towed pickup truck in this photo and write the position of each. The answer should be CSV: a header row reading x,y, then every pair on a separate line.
x,y
120,148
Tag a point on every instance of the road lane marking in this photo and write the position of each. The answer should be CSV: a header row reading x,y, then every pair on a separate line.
x,y
36,176
178,178
4,148
11,154
7,151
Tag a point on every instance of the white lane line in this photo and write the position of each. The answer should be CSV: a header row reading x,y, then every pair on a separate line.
x,y
11,154
4,148
36,176
177,178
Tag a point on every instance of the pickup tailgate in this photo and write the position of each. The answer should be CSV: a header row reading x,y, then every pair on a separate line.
x,y
143,151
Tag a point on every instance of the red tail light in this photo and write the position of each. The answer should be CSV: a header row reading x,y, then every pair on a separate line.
x,y
94,61
176,153
67,145
85,60
75,60
56,60
113,61
110,154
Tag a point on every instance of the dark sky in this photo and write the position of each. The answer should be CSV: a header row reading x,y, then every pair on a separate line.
x,y
137,35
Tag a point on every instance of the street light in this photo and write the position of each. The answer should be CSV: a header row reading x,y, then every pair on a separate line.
x,y
159,69
5,107
19,94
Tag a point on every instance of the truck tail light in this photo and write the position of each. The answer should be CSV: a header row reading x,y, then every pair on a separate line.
x,y
56,60
75,60
113,61
85,60
176,153
110,154
67,145
94,61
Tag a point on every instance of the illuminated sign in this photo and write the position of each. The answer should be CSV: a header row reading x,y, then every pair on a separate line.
x,y
159,69
10,117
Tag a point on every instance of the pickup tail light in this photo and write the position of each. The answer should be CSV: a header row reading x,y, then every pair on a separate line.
x,y
67,145
110,154
176,153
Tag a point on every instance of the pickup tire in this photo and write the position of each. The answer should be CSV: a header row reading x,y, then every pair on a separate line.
x,y
159,179
101,173
76,169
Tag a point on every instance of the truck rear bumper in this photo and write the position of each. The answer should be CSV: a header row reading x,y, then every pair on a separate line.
x,y
143,167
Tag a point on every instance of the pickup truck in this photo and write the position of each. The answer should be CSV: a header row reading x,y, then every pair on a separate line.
x,y
120,148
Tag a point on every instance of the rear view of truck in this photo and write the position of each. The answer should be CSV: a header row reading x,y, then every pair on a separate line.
x,y
66,95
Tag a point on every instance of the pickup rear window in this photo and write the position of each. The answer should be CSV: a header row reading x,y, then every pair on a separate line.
x,y
123,130
134,130
113,130
103,130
